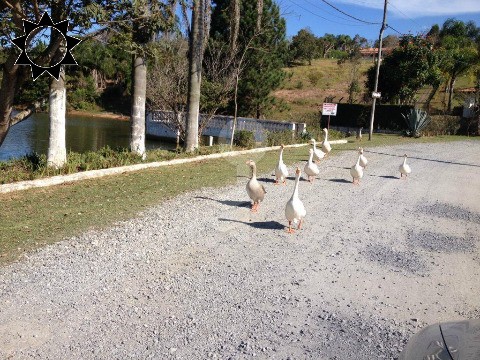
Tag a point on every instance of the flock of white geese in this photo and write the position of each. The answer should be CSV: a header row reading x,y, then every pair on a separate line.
x,y
294,209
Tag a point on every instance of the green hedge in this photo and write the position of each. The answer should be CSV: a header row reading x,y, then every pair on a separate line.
x,y
387,117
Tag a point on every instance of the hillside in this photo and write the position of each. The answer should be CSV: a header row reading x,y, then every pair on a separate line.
x,y
307,87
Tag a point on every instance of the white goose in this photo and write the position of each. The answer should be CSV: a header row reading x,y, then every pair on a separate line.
x,y
357,172
281,171
311,169
363,159
404,168
319,154
359,134
326,147
294,210
255,190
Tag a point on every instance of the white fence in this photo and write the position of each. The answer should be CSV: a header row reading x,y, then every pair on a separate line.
x,y
163,124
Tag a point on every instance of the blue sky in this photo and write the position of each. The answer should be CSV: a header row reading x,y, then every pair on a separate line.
x,y
404,16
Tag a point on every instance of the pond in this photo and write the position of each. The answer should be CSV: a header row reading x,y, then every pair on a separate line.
x,y
83,134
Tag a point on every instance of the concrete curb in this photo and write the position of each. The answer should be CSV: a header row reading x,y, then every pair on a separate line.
x,y
93,174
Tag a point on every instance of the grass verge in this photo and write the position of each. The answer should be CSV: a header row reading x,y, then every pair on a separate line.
x,y
36,217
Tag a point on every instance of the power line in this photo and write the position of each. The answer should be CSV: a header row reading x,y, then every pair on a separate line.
x,y
328,12
409,18
394,29
324,18
350,16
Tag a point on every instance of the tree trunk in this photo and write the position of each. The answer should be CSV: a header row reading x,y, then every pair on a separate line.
x,y
137,137
430,97
194,75
259,15
450,92
234,26
9,79
57,150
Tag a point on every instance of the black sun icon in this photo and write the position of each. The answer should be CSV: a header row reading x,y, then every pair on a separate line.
x,y
31,28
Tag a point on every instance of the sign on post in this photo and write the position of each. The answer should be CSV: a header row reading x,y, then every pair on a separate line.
x,y
329,109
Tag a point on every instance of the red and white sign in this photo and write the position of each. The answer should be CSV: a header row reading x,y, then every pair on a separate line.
x,y
329,109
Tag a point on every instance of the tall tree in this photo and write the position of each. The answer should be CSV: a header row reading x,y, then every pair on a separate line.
x,y
196,50
458,42
57,149
12,12
262,66
142,35
406,70
304,46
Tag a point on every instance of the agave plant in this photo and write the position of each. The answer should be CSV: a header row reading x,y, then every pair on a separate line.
x,y
416,120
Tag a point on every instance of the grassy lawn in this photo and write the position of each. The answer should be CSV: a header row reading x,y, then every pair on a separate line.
x,y
36,217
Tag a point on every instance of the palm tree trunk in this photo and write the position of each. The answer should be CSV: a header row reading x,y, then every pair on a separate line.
x,y
57,150
137,136
194,75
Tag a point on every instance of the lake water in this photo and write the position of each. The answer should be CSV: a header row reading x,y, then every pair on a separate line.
x,y
83,134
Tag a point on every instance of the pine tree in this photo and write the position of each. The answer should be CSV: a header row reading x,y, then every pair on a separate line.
x,y
266,53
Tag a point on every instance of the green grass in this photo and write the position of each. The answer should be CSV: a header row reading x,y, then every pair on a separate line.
x,y
33,218
34,166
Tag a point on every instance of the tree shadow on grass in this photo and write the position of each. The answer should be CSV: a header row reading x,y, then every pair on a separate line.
x,y
245,204
269,225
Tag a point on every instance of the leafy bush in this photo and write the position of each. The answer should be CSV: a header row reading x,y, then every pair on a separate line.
x,y
416,120
316,133
314,77
443,125
244,139
275,138
298,85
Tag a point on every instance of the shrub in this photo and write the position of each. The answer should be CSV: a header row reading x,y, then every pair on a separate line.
x,y
299,85
443,125
314,77
416,120
244,139
275,138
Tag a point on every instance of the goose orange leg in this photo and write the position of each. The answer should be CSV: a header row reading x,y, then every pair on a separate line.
x,y
290,230
300,224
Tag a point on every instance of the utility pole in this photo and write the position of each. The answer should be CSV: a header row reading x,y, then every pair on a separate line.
x,y
375,93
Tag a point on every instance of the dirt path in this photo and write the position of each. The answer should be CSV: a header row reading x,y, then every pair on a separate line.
x,y
202,277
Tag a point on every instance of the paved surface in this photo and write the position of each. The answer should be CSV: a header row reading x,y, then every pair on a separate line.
x,y
202,277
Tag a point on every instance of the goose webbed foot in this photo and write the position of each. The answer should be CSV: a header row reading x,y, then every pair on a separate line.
x,y
300,224
290,230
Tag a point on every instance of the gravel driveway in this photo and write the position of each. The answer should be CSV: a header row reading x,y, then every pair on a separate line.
x,y
201,277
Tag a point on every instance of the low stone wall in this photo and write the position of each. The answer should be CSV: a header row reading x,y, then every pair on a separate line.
x,y
163,124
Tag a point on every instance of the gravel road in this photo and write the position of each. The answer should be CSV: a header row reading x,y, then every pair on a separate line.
x,y
200,276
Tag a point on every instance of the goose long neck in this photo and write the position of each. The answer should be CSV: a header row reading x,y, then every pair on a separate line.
x,y
358,160
254,171
326,135
281,155
295,190
314,145
404,160
310,158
